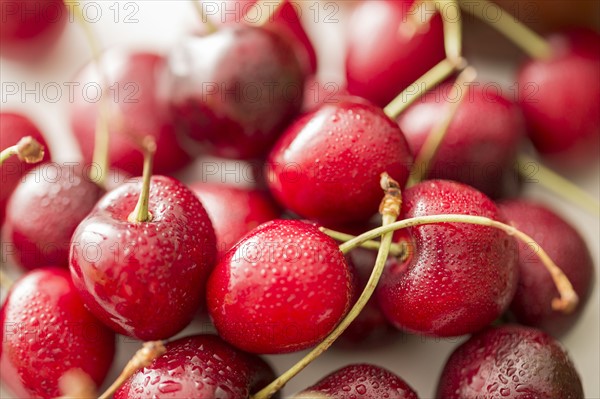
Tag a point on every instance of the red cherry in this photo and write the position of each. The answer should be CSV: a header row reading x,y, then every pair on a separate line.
x,y
509,361
532,304
235,90
317,93
383,58
363,381
481,143
326,166
134,112
560,97
282,288
30,27
46,332
198,367
458,278
234,211
13,127
144,279
44,211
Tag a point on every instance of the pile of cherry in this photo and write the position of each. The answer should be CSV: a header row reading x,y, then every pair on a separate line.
x,y
143,257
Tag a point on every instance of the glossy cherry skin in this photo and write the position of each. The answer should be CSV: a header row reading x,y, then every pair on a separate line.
x,y
234,211
13,127
510,361
282,288
532,304
458,277
559,98
364,381
44,211
145,279
199,367
481,143
135,111
327,165
47,331
383,58
235,90
30,27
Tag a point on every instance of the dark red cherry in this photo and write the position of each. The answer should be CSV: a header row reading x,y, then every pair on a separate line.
x,y
326,166
46,331
481,143
199,367
144,279
234,211
44,211
134,111
559,97
282,288
363,381
30,27
565,246
510,362
13,127
458,277
383,57
235,90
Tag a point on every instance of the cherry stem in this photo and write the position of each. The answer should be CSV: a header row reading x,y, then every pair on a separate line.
x,y
433,141
568,299
210,26
397,250
102,134
28,150
5,281
529,41
428,81
142,358
265,17
140,213
558,184
75,383
389,209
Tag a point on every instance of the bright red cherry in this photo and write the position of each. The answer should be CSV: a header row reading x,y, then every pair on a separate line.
x,y
512,362
199,367
46,331
234,211
282,288
326,166
565,246
383,56
481,143
458,278
363,381
30,27
44,211
13,127
134,112
145,279
235,90
560,96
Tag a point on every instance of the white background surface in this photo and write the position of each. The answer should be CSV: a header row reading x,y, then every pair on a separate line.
x,y
159,25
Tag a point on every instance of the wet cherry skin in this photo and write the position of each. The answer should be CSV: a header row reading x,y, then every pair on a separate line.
x,y
13,127
144,279
532,304
383,58
365,381
282,288
328,163
559,98
510,361
458,277
199,367
46,332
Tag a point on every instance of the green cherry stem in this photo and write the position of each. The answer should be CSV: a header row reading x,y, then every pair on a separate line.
x,y
389,210
141,213
452,28
28,150
529,41
210,26
395,249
